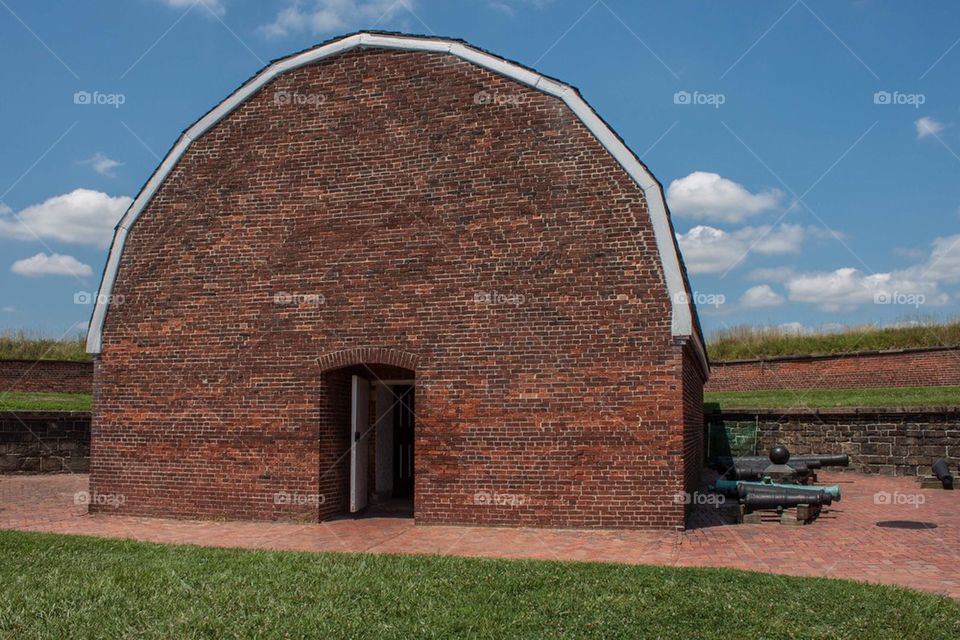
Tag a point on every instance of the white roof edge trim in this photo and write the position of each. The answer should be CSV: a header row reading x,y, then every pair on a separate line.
x,y
682,319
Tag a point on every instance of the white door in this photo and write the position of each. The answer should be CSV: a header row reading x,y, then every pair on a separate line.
x,y
359,440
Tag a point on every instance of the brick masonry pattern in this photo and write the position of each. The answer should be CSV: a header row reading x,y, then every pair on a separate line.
x,y
46,375
380,213
909,368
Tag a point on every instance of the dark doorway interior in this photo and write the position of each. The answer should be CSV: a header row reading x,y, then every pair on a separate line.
x,y
403,442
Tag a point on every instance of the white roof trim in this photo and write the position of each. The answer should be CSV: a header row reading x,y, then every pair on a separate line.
x,y
682,319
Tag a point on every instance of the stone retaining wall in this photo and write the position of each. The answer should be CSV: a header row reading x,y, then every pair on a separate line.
x,y
887,441
44,442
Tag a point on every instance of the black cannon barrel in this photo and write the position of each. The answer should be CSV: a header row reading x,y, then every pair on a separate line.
x,y
754,501
754,469
814,462
743,490
841,460
941,469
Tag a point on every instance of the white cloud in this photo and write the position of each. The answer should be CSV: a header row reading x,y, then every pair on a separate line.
x,y
795,328
82,216
215,6
503,7
761,296
927,126
102,164
325,16
909,253
51,265
711,196
8,309
917,285
846,288
510,7
707,249
944,262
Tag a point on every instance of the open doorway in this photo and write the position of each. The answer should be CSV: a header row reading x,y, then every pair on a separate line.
x,y
379,463
395,449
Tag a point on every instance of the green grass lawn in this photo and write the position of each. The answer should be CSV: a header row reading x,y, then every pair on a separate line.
x,y
68,587
747,342
23,345
27,401
776,399
822,398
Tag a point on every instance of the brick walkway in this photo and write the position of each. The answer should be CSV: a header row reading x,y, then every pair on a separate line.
x,y
853,539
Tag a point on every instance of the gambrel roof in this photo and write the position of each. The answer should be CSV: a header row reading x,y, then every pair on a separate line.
x,y
684,319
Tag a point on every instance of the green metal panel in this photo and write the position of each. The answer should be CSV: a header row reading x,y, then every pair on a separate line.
x,y
732,438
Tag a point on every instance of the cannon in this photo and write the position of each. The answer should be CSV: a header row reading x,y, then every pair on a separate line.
x,y
784,500
941,469
744,490
757,470
813,462
840,460
779,466
734,487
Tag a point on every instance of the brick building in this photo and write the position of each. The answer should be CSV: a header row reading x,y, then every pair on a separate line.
x,y
395,270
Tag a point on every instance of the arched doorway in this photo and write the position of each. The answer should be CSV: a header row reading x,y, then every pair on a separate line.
x,y
367,434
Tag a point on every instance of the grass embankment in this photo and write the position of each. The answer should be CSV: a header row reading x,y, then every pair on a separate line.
x,y
745,343
27,401
67,587
24,346
773,399
824,398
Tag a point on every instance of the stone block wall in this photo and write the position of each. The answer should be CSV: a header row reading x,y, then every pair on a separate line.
x,y
886,441
44,442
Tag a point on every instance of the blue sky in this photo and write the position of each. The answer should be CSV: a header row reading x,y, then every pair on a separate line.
x,y
810,148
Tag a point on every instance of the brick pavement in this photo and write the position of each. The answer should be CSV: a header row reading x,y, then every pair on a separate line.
x,y
857,538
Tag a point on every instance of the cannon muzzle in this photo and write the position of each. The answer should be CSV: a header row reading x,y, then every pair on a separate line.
x,y
941,469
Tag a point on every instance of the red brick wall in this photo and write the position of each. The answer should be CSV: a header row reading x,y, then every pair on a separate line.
x,y
913,368
495,249
693,444
46,375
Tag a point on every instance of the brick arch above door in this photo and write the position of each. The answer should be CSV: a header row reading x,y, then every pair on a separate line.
x,y
368,355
